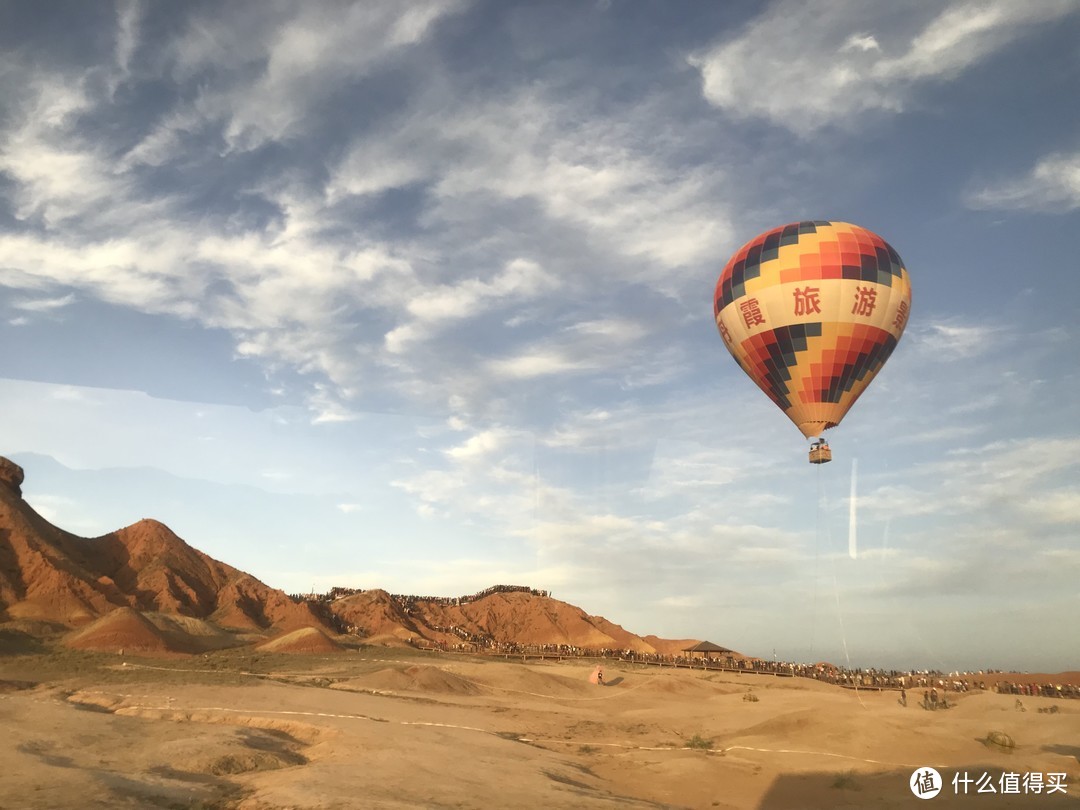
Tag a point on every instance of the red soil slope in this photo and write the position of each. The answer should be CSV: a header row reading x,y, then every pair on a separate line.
x,y
49,574
122,629
304,640
518,617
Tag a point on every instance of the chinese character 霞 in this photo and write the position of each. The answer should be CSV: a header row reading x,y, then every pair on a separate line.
x,y
751,312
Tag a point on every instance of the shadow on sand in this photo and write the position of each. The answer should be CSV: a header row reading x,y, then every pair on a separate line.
x,y
841,788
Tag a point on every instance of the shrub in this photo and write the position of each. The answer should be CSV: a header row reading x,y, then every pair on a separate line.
x,y
699,743
845,781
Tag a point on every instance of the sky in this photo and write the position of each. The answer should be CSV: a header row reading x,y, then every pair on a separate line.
x,y
418,295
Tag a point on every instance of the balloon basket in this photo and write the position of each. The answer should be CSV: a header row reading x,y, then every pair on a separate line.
x,y
820,454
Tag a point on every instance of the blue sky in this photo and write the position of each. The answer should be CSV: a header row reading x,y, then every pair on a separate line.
x,y
418,296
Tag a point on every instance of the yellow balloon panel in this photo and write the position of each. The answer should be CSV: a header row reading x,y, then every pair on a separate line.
x,y
811,311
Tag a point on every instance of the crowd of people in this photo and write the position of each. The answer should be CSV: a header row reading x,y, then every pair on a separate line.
x,y
408,601
1061,690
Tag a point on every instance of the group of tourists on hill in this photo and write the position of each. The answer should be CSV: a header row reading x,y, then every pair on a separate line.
x,y
409,601
930,681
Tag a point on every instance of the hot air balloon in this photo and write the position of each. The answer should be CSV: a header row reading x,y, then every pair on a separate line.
x,y
811,311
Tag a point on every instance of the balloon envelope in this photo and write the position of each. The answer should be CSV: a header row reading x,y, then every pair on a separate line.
x,y
811,311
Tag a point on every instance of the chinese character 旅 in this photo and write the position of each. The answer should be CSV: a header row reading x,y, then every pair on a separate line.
x,y
807,301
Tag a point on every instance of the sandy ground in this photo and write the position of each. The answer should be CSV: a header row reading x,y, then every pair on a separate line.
x,y
398,729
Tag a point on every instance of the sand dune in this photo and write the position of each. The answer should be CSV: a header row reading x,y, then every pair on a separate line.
x,y
193,635
303,640
429,730
122,629
424,679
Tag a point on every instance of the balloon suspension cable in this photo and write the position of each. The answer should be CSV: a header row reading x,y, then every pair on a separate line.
x,y
817,549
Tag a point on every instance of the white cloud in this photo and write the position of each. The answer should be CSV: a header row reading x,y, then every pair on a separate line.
x,y
326,406
532,364
296,296
72,393
860,42
302,55
1053,184
478,446
983,403
949,434
957,341
806,65
602,175
56,177
44,304
999,484
1062,506
619,329
469,298
520,278
609,345
128,13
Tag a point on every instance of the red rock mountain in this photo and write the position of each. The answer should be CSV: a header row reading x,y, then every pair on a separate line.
x,y
514,616
47,573
50,575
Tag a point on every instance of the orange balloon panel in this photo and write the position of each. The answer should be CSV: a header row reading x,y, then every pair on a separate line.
x,y
811,311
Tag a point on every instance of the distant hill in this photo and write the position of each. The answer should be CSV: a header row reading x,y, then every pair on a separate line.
x,y
50,575
517,617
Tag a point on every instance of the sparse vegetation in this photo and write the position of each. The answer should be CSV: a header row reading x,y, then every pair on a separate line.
x,y
588,749
845,781
699,743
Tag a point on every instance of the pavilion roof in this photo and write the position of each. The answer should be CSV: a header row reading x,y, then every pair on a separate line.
x,y
707,646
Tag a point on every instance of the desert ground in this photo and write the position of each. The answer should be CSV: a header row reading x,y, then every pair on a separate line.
x,y
378,727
